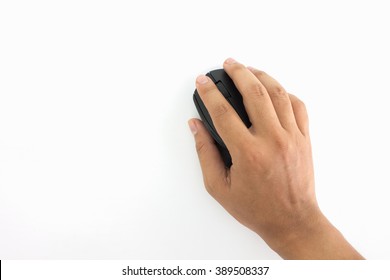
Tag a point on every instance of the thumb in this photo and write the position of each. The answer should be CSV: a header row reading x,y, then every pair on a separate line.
x,y
213,168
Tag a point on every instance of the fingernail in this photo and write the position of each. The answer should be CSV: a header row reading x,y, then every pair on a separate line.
x,y
201,79
193,128
230,61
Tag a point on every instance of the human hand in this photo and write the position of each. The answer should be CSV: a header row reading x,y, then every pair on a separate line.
x,y
270,186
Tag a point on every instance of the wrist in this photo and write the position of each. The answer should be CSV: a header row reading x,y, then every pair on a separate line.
x,y
315,238
299,242
296,231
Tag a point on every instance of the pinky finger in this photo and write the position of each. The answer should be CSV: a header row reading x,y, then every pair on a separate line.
x,y
300,114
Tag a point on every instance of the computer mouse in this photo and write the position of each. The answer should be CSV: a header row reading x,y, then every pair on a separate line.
x,y
227,88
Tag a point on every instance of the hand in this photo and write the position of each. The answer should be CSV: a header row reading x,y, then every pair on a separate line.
x,y
270,186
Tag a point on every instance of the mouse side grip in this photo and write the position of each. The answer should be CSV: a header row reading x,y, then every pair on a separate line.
x,y
204,115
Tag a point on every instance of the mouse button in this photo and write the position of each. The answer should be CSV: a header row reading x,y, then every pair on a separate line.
x,y
233,91
239,107
223,90
217,75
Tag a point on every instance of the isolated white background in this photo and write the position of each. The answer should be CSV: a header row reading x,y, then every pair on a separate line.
x,y
96,160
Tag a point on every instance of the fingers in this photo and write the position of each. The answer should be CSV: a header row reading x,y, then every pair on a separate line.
x,y
300,114
225,119
213,168
255,96
280,99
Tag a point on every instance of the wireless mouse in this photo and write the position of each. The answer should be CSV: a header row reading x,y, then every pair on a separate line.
x,y
227,88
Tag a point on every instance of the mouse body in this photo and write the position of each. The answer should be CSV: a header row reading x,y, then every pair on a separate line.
x,y
227,88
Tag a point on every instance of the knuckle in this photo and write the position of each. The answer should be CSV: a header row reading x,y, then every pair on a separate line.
x,y
279,92
287,150
251,153
209,188
255,90
254,157
212,187
220,110
282,142
201,147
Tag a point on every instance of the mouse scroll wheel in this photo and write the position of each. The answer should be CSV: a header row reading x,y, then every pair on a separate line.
x,y
223,90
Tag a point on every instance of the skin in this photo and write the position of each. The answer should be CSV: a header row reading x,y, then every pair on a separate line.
x,y
270,186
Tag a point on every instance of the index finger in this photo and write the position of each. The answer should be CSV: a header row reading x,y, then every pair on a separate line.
x,y
255,96
228,124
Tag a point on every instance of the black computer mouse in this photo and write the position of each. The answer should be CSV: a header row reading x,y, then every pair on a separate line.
x,y
227,88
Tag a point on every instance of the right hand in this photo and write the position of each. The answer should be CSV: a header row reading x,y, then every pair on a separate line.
x,y
270,186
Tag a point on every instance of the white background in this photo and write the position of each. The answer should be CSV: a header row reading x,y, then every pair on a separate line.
x,y
96,160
